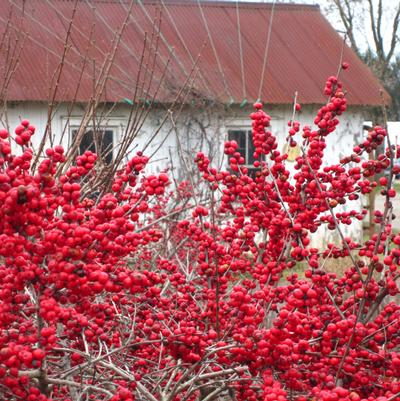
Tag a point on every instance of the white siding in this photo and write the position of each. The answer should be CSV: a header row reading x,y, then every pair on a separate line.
x,y
199,130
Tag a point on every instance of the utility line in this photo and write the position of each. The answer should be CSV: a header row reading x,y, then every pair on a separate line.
x,y
264,66
215,51
241,52
186,48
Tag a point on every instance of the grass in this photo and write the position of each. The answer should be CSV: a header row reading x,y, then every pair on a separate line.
x,y
339,265
331,265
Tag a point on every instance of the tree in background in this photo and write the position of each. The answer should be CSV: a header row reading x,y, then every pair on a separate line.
x,y
381,51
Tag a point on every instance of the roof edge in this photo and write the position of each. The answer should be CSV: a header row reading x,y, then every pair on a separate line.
x,y
232,4
221,102
215,3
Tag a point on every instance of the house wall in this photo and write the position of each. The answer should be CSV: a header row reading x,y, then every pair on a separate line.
x,y
200,129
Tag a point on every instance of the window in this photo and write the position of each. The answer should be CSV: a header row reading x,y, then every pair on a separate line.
x,y
244,139
103,140
100,142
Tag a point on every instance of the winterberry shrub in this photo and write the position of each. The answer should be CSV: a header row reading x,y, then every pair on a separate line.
x,y
148,293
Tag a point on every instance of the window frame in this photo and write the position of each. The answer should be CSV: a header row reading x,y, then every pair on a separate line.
x,y
248,129
115,124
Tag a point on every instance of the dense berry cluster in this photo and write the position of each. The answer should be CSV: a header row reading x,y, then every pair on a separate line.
x,y
146,294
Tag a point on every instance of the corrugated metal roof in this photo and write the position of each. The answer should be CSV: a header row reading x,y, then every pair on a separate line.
x,y
303,51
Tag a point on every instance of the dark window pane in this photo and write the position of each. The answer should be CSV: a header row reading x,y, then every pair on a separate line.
x,y
100,143
240,137
88,143
251,148
107,146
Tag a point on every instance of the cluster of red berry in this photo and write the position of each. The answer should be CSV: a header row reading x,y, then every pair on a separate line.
x,y
149,294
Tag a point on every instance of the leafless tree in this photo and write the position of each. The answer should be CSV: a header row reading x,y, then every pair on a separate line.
x,y
381,18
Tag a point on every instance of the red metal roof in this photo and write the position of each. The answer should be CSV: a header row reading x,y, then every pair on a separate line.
x,y
303,51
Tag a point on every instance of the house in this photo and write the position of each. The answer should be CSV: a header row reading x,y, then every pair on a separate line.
x,y
189,69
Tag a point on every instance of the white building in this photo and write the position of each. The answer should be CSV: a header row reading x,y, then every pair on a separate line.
x,y
206,62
